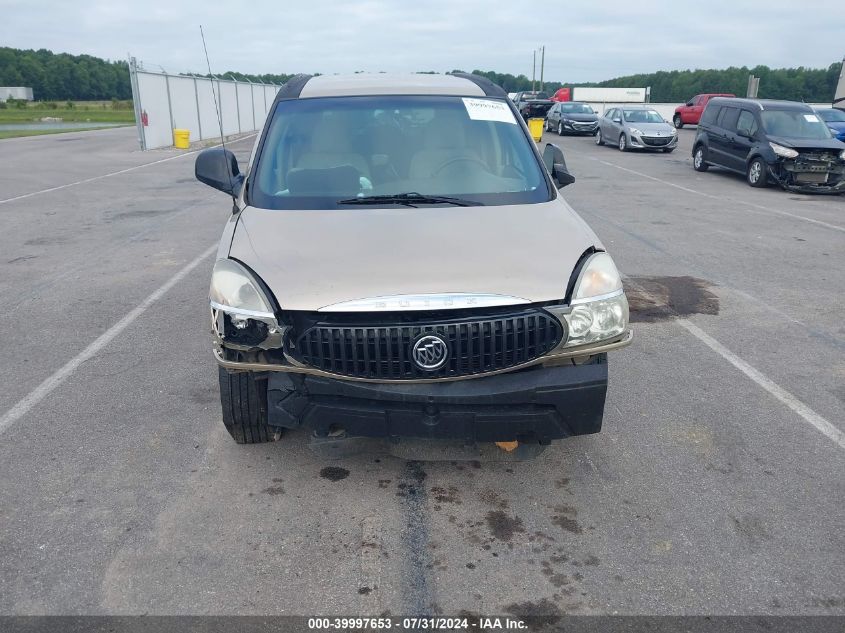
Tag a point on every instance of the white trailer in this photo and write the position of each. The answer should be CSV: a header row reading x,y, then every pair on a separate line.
x,y
611,95
15,92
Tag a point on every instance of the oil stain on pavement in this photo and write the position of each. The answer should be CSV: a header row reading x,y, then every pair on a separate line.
x,y
653,299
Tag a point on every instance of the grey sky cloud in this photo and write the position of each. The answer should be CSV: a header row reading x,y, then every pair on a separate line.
x,y
585,41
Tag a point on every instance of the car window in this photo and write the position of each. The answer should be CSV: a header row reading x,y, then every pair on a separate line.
x,y
746,123
711,114
576,108
832,115
642,116
728,118
700,100
795,124
322,150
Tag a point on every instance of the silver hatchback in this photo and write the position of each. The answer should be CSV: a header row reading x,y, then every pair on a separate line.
x,y
636,127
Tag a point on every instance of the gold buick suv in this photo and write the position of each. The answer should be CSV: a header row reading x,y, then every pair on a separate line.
x,y
399,263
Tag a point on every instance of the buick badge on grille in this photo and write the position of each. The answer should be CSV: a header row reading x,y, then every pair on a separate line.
x,y
430,352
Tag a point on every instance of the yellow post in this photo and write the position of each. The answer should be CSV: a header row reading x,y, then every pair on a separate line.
x,y
535,126
181,139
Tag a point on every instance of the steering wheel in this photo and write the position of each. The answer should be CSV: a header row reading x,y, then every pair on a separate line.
x,y
459,159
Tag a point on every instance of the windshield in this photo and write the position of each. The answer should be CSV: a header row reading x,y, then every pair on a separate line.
x,y
319,152
832,115
576,108
794,124
642,116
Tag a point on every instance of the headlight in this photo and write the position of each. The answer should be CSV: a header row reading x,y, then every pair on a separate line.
x,y
599,306
235,291
785,152
634,130
842,154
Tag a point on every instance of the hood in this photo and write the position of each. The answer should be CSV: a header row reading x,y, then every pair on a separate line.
x,y
577,116
807,143
313,259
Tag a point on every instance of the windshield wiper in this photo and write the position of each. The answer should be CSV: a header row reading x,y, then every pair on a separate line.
x,y
411,198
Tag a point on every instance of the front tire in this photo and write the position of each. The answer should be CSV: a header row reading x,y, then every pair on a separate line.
x,y
560,129
546,126
677,121
699,159
243,397
757,175
623,143
599,139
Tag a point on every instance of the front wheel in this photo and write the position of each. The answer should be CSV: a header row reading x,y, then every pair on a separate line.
x,y
243,396
678,121
623,143
699,159
599,139
546,126
756,174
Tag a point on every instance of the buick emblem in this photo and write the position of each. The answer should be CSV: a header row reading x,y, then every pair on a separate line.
x,y
430,352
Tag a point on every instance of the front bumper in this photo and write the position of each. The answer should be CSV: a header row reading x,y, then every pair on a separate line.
x,y
792,175
538,404
578,127
643,141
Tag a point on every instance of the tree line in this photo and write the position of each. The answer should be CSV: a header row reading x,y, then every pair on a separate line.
x,y
61,76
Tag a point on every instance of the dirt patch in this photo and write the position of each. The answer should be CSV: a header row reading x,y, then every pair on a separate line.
x,y
654,299
502,526
334,473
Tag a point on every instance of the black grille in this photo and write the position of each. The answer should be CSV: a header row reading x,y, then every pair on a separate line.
x,y
383,351
656,141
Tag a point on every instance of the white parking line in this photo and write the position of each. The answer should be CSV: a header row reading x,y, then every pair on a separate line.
x,y
23,406
114,173
835,227
781,394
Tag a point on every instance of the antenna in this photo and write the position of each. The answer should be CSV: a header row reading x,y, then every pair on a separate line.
x,y
216,107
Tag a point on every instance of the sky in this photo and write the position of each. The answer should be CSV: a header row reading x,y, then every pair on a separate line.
x,y
585,40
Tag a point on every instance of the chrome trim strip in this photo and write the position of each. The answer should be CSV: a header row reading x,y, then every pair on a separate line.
x,y
609,295
585,350
432,301
240,311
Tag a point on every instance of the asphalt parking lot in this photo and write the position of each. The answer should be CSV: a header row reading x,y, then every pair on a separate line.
x,y
716,486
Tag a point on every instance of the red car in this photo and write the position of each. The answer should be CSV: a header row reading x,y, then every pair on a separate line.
x,y
690,112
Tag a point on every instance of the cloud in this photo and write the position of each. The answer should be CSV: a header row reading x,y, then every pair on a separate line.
x,y
584,42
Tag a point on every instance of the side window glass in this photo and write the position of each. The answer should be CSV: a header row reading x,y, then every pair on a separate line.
x,y
711,113
728,118
746,124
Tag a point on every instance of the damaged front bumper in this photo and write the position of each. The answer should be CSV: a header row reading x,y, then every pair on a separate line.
x,y
820,174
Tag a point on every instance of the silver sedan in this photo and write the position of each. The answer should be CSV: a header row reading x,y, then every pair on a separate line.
x,y
636,127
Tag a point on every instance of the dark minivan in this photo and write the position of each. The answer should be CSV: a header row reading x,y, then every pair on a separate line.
x,y
785,142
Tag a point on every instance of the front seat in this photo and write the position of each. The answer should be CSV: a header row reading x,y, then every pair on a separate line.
x,y
330,147
445,140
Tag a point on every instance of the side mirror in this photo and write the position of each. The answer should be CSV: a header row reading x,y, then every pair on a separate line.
x,y
218,168
688,104
556,164
617,120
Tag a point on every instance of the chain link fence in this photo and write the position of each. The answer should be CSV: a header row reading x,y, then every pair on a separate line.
x,y
165,102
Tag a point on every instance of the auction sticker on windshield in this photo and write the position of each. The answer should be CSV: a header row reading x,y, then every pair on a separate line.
x,y
488,110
